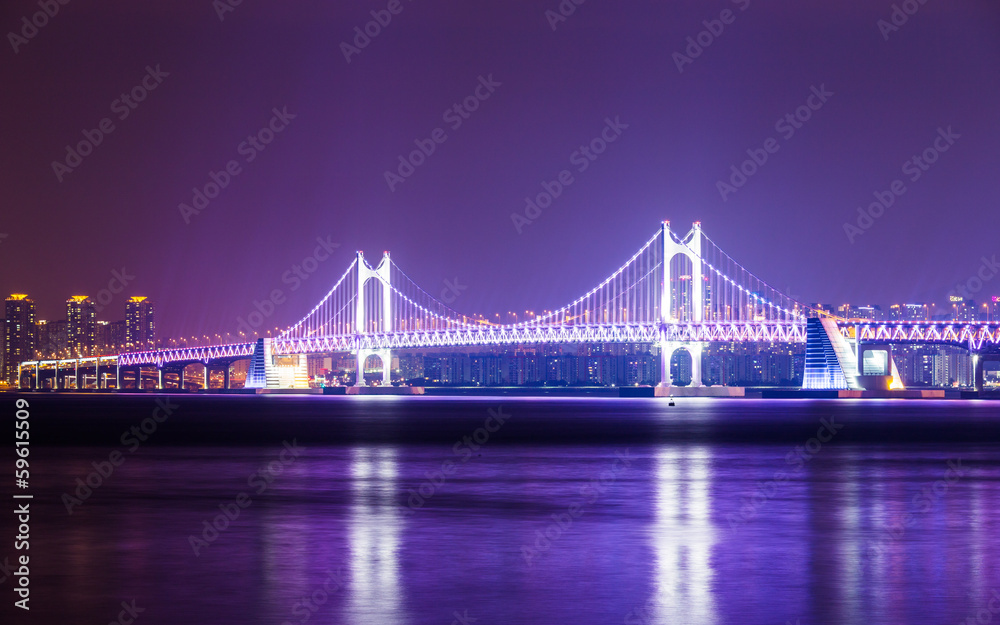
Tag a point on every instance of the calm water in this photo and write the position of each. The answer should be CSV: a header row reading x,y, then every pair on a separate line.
x,y
570,511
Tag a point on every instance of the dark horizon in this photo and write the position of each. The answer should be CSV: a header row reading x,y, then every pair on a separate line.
x,y
339,126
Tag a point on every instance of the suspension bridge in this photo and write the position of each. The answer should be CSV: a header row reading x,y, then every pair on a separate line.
x,y
674,292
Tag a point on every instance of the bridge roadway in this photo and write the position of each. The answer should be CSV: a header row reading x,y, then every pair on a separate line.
x,y
976,337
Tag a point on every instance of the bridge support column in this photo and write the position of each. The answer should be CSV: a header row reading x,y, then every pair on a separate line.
x,y
979,361
225,376
385,355
667,349
180,378
359,375
695,350
208,378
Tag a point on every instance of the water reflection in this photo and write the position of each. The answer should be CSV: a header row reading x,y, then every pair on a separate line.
x,y
682,537
656,548
374,528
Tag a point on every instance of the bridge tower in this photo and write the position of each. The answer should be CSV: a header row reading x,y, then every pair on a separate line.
x,y
690,247
382,274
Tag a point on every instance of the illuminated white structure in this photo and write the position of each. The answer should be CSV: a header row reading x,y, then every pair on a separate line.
x,y
705,296
365,318
672,308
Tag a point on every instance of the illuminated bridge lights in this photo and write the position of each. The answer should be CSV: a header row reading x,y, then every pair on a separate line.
x,y
369,310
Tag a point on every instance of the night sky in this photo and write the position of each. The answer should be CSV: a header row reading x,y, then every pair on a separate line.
x,y
218,81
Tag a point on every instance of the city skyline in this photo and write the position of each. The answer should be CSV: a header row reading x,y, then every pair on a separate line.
x,y
953,307
810,127
391,311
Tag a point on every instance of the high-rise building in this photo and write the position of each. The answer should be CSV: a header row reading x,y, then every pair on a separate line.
x,y
140,324
19,334
963,309
81,320
118,334
52,339
909,312
102,337
870,312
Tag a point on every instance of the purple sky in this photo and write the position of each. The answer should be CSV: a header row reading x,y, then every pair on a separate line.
x,y
323,174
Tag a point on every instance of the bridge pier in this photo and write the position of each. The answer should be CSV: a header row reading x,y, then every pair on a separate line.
x,y
667,350
385,355
979,360
695,350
